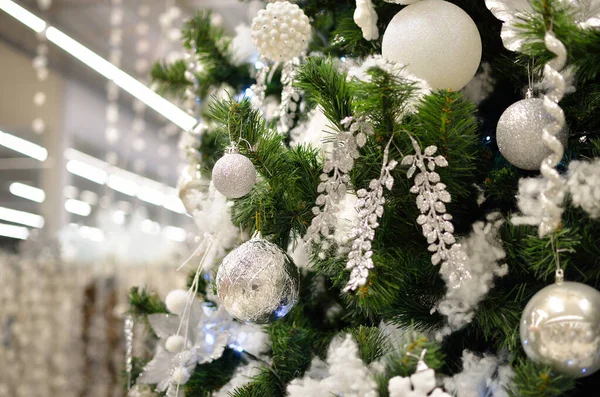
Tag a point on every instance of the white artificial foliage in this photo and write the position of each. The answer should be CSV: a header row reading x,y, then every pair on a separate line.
x,y
213,218
529,201
420,384
583,185
432,198
405,2
370,209
334,182
366,19
314,131
343,374
481,376
469,272
243,49
242,375
481,86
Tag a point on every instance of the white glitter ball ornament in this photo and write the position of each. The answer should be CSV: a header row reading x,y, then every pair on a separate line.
x,y
560,326
437,41
258,282
519,134
281,31
176,301
234,175
175,343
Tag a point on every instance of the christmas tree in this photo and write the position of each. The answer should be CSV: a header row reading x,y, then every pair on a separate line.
x,y
404,202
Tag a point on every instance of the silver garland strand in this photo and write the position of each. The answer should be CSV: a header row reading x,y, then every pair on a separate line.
x,y
552,196
258,89
370,209
334,182
432,198
287,106
128,332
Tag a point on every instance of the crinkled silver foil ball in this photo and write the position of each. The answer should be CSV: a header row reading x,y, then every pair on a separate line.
x,y
519,134
234,175
560,326
258,282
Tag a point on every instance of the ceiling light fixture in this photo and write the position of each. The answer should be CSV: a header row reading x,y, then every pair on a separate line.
x,y
12,231
27,192
23,146
22,217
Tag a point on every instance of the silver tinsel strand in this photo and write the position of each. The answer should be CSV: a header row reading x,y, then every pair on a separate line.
x,y
128,331
288,95
432,197
370,209
334,182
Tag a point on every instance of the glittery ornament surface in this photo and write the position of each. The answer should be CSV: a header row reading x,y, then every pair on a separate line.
x,y
234,175
281,31
437,41
560,326
519,134
258,282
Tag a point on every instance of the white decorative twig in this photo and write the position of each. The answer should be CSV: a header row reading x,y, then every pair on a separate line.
x,y
432,197
553,195
334,182
370,209
287,107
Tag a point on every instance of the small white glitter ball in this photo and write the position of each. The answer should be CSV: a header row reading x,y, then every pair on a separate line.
x,y
234,175
519,134
175,343
180,375
176,301
258,282
437,41
281,31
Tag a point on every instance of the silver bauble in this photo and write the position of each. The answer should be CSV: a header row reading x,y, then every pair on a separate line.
x,y
258,282
519,134
560,326
192,188
437,41
234,175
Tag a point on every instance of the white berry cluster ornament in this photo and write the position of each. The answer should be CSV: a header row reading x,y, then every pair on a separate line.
x,y
233,174
258,282
437,41
281,32
519,134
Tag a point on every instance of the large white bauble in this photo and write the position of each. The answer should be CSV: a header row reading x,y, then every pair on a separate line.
x,y
258,282
437,41
519,134
234,175
560,326
176,301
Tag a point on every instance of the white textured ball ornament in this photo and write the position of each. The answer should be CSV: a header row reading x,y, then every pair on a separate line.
x,y
175,343
258,282
437,41
180,375
234,175
281,31
560,326
176,301
519,134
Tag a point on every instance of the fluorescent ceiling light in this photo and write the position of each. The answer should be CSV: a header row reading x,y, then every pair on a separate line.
x,y
150,195
22,146
27,192
175,233
173,203
87,171
122,185
22,217
24,16
78,207
12,231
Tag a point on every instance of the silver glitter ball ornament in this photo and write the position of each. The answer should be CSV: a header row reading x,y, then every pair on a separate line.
x,y
519,134
192,188
560,326
234,175
258,282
